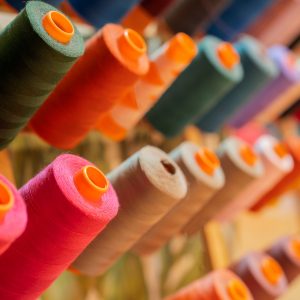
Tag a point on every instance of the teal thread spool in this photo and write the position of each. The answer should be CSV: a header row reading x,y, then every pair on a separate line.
x,y
32,62
259,70
214,71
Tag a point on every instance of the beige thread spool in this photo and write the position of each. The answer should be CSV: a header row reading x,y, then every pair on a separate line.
x,y
202,170
277,163
241,166
148,185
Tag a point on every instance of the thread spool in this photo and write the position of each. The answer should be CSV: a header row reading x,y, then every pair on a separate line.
x,y
29,76
100,12
290,181
289,75
218,285
190,16
262,274
213,72
287,252
205,177
277,163
236,17
61,223
149,184
114,60
20,4
241,166
13,215
165,65
259,70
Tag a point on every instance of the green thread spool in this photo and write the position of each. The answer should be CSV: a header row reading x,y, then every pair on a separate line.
x,y
214,71
259,70
32,62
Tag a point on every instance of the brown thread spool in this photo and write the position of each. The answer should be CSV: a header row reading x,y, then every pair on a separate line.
x,y
205,177
241,166
148,184
277,163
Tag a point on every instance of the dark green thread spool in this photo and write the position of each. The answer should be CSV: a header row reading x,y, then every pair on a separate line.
x,y
259,70
196,90
32,62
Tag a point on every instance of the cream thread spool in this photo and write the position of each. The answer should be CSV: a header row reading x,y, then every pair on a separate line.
x,y
148,184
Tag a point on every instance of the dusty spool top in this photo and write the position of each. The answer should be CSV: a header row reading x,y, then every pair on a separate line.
x,y
6,200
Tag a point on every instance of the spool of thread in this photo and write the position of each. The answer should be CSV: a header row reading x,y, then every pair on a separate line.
x,y
68,204
259,70
148,184
241,166
213,72
114,60
13,215
36,50
205,177
237,16
263,276
291,180
190,16
20,4
289,75
218,285
101,12
277,163
287,252
165,65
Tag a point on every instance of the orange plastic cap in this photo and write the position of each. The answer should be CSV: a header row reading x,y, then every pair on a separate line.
x,y
237,290
248,155
132,45
280,150
58,26
271,270
207,160
182,48
295,247
6,200
91,183
228,56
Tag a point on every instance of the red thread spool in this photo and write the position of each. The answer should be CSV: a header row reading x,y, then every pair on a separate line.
x,y
13,215
263,276
114,60
218,285
61,223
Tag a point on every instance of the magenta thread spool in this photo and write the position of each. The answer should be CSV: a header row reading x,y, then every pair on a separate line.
x,y
262,274
13,214
287,252
68,204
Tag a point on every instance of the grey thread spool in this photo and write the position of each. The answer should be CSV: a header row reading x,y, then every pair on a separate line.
x,y
202,186
148,185
241,166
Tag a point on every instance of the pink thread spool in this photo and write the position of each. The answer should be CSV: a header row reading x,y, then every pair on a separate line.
x,y
13,215
262,274
287,252
68,204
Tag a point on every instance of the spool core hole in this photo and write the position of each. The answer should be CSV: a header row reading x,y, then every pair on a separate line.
x,y
248,155
168,166
135,40
295,246
271,270
228,55
207,160
237,290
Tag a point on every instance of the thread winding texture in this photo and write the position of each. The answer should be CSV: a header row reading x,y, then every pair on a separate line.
x,y
165,65
202,186
148,184
13,218
239,173
259,70
114,60
218,285
201,85
31,63
61,223
264,280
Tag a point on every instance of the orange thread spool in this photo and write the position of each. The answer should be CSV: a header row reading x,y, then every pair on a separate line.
x,y
169,61
114,60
